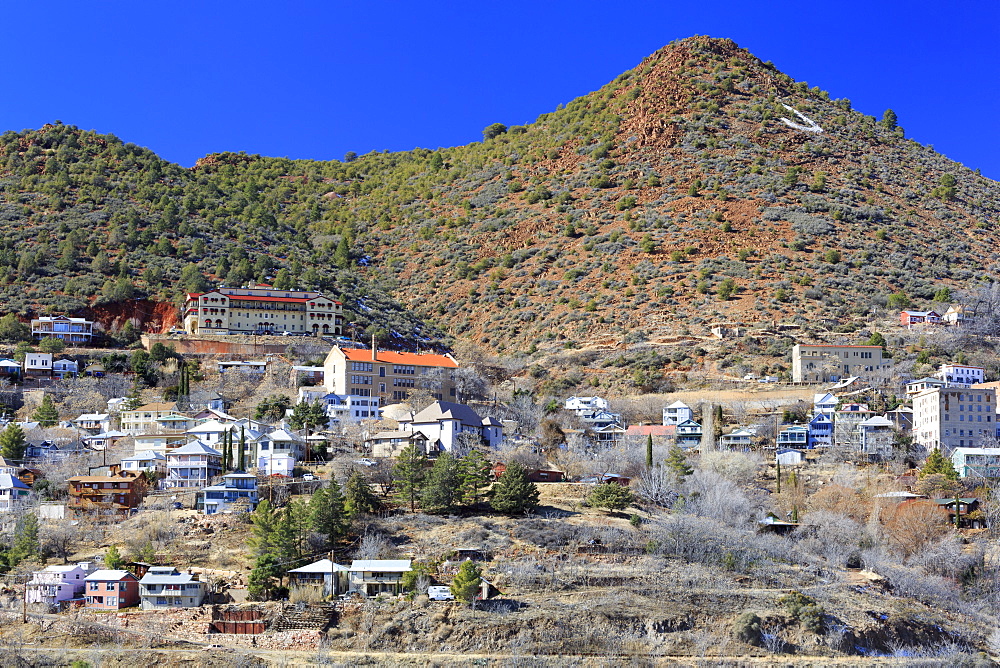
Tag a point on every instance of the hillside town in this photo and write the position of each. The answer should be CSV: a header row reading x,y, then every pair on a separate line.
x,y
296,449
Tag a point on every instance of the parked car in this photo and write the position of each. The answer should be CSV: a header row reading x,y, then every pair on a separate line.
x,y
308,476
440,593
366,462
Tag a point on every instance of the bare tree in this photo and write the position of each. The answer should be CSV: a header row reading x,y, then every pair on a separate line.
x,y
61,539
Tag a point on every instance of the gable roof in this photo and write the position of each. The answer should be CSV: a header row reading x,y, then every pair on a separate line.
x,y
386,565
158,407
392,357
195,448
7,481
105,574
445,410
678,404
321,566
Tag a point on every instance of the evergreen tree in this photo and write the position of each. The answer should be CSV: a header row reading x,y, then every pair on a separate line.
x,y
610,496
25,544
264,532
409,474
46,414
468,580
876,339
938,463
677,460
326,513
358,496
474,476
441,492
13,330
292,531
514,493
113,560
12,443
243,448
889,119
308,416
264,578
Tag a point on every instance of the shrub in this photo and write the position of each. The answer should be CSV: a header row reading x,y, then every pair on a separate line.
x,y
746,628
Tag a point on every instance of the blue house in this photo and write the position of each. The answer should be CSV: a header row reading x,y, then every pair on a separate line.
x,y
689,434
235,486
821,431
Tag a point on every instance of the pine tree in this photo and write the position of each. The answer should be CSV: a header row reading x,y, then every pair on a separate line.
x,y
264,537
474,475
292,531
46,414
358,496
326,513
677,460
25,544
513,492
610,496
409,473
467,581
113,559
12,442
263,578
441,491
938,463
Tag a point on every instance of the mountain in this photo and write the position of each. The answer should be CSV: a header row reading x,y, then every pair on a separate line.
x,y
702,186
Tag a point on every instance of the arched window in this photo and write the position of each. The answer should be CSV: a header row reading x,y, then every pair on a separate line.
x,y
326,329
218,323
208,323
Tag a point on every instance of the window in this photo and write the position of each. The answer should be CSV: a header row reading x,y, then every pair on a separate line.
x,y
361,380
362,366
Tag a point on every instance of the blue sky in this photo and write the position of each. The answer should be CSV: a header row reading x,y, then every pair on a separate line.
x,y
315,79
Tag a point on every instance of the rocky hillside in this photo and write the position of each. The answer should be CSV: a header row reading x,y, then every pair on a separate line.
x,y
701,186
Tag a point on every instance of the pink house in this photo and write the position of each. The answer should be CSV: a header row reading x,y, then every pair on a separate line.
x,y
111,590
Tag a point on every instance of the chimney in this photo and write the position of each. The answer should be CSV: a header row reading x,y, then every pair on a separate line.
x,y
374,350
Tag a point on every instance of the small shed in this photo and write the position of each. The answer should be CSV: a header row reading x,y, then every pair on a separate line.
x,y
789,457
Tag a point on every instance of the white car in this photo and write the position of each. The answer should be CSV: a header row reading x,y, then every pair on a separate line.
x,y
366,462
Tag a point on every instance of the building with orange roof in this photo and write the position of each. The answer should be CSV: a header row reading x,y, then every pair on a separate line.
x,y
389,376
262,309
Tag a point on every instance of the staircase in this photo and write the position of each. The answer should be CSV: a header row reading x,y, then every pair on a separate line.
x,y
194,624
294,617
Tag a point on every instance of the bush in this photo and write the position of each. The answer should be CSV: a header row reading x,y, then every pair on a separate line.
x,y
746,628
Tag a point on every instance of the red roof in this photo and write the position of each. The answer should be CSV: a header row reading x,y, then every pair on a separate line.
x,y
416,359
257,298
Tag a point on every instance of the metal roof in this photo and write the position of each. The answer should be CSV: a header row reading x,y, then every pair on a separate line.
x,y
321,566
385,565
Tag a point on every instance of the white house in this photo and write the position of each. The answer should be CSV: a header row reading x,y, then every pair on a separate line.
x,y
13,493
147,460
211,432
739,440
677,413
824,403
370,577
192,465
332,577
590,404
689,434
443,423
276,464
163,587
62,368
341,408
93,422
960,375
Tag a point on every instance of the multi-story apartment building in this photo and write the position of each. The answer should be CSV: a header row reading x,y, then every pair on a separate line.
x,y
976,462
821,363
954,417
391,376
70,330
261,309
